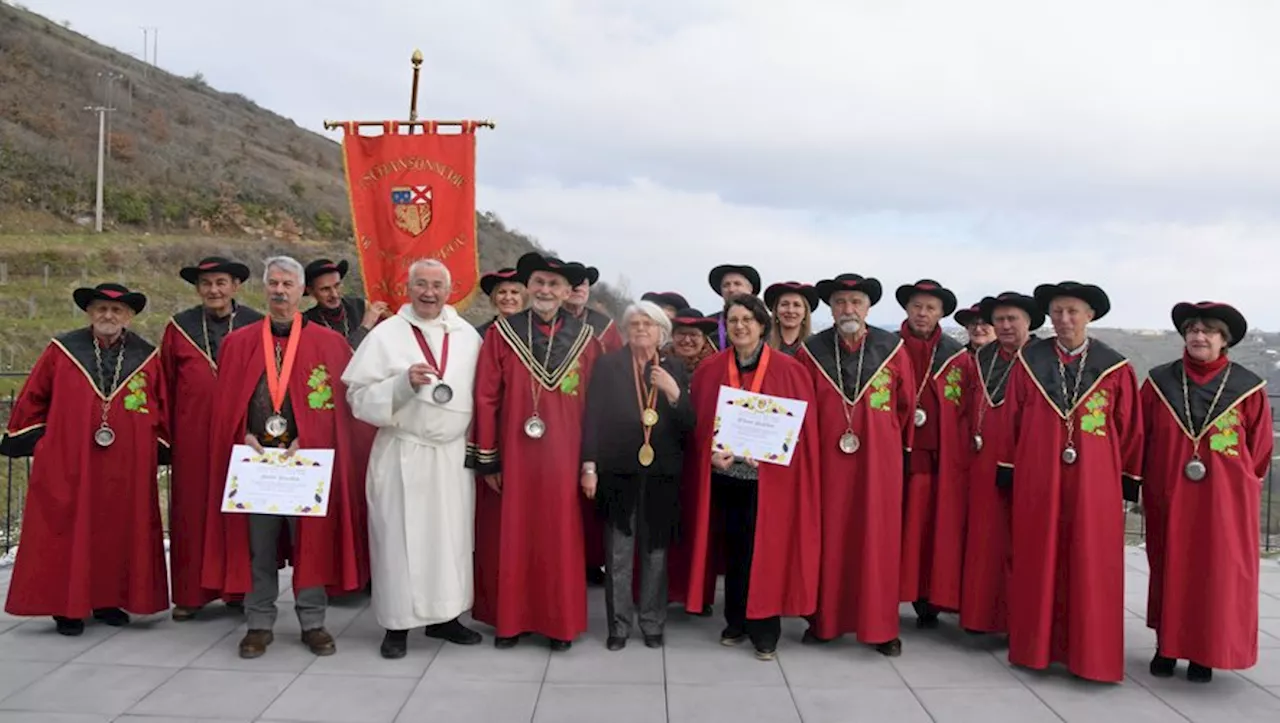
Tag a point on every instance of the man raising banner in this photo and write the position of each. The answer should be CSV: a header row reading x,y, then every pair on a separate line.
x,y
526,439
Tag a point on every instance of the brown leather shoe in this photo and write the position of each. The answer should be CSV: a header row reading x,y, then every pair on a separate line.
x,y
183,614
319,641
255,642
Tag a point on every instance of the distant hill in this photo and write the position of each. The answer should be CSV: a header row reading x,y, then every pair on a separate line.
x,y
185,159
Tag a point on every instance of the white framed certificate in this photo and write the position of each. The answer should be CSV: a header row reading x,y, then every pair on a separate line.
x,y
757,426
268,483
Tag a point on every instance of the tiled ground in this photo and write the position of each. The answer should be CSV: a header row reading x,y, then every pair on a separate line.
x,y
157,671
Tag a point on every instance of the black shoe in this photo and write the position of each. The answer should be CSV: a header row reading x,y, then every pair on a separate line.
x,y
615,642
560,645
1197,673
505,643
395,644
115,617
810,638
1162,667
595,577
926,615
454,632
69,626
891,649
653,641
732,635
705,612
766,654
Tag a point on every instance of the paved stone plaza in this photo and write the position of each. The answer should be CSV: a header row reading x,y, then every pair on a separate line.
x,y
158,671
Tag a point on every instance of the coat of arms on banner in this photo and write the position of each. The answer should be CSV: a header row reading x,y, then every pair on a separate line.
x,y
412,208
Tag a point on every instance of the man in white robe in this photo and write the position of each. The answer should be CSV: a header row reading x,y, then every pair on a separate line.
x,y
412,378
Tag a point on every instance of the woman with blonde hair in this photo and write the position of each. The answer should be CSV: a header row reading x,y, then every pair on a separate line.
x,y
791,304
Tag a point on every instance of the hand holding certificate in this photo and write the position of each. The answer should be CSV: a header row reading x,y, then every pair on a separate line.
x,y
757,426
269,483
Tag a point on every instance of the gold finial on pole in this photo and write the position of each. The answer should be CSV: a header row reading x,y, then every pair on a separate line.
x,y
416,59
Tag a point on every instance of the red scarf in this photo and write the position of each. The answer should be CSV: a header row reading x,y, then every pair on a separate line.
x,y
1198,372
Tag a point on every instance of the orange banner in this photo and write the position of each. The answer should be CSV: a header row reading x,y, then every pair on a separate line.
x,y
412,197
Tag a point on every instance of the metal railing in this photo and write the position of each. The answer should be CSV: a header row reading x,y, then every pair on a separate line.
x,y
18,471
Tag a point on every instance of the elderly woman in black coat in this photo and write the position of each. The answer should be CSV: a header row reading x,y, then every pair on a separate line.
x,y
638,416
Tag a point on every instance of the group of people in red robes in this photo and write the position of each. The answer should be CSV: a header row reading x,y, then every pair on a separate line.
x,y
987,479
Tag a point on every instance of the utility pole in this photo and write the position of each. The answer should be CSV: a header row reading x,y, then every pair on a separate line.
x,y
109,78
155,47
148,49
102,112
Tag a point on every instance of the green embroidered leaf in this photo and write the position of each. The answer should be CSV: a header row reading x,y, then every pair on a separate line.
x,y
569,385
952,393
880,399
1218,443
131,403
320,398
1228,420
1094,423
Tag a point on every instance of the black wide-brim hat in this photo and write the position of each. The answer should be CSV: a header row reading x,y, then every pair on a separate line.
x,y
110,292
1092,295
320,267
1225,313
214,265
533,261
775,292
969,315
490,281
987,307
696,319
850,282
718,273
666,298
930,287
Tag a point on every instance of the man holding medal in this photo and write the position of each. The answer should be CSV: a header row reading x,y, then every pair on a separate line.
x,y
413,379
91,537
189,354
530,394
864,404
1076,444
281,386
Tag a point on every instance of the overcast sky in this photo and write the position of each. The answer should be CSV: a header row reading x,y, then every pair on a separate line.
x,y
991,145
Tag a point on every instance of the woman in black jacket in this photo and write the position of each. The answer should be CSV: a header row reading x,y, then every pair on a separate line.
x,y
638,416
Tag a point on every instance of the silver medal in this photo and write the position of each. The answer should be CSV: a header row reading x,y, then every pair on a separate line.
x,y
1195,470
277,425
534,427
921,417
442,393
849,442
105,436
1069,455
977,442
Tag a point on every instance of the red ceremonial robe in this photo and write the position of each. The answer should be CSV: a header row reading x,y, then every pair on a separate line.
x,y
529,557
188,357
91,530
325,550
606,333
861,492
933,498
983,606
1066,591
1202,537
784,565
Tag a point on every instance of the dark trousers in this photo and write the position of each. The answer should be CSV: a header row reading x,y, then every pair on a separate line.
x,y
735,502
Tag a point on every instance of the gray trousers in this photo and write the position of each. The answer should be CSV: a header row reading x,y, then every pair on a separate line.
x,y
619,562
260,603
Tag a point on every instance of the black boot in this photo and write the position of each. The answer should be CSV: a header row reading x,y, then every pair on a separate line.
x,y
1197,673
595,576
115,617
69,626
926,615
395,644
1162,667
891,649
454,632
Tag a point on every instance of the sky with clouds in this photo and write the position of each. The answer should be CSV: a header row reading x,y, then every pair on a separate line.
x,y
990,144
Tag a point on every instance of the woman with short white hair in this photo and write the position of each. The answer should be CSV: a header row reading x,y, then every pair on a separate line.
x,y
638,415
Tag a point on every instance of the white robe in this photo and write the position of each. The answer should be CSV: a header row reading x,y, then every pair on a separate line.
x,y
421,495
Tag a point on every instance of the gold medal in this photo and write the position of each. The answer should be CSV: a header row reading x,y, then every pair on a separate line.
x,y
649,418
646,455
